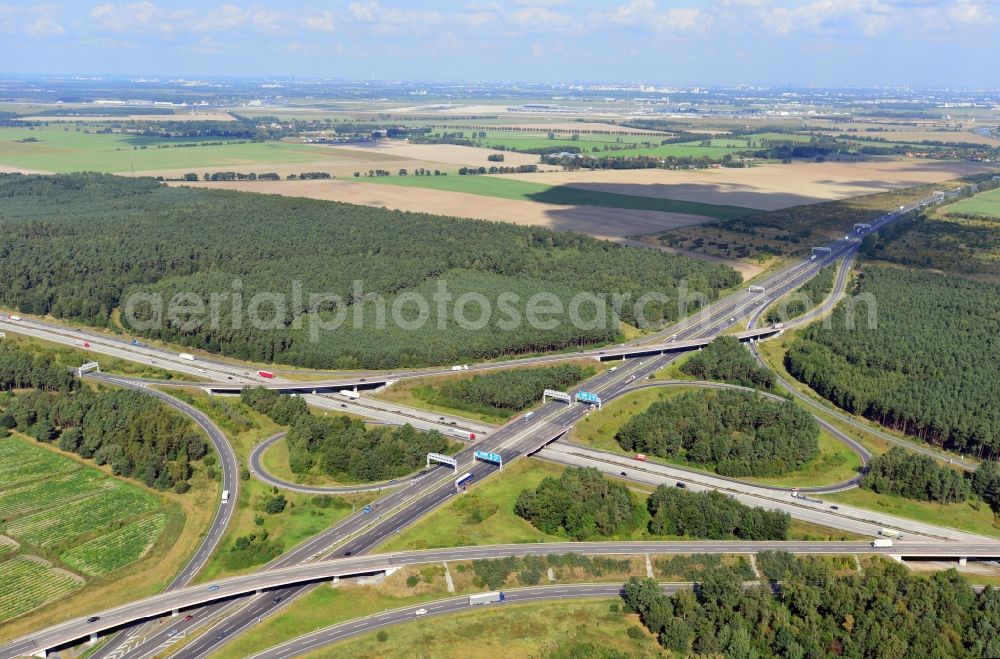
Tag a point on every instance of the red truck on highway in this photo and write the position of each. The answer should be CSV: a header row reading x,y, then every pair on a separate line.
x,y
265,374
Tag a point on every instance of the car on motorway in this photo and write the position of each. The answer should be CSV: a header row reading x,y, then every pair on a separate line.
x,y
275,600
212,588
188,617
612,369
342,405
172,632
93,618
834,507
221,635
681,485
624,474
420,612
641,457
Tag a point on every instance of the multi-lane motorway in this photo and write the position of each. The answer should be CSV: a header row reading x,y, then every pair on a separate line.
x,y
413,499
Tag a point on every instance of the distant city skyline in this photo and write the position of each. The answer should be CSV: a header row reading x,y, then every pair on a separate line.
x,y
896,43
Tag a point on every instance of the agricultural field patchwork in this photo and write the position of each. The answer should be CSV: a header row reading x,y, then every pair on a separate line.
x,y
116,549
55,511
21,462
27,582
71,520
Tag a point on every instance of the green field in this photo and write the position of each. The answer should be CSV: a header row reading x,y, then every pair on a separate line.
x,y
65,149
65,513
28,582
985,203
116,549
568,629
507,188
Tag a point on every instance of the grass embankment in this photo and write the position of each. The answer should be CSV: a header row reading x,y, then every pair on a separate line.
x,y
515,630
969,516
325,605
71,357
301,519
506,188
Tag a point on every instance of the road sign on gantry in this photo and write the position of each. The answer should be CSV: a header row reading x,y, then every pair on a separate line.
x,y
89,366
489,457
589,398
556,395
443,459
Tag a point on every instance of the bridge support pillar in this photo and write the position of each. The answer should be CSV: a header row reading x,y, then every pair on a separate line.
x,y
93,638
175,613
259,591
962,561
40,653
336,579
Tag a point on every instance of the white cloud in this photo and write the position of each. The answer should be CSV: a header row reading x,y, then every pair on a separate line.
x,y
969,12
646,13
830,17
44,27
322,22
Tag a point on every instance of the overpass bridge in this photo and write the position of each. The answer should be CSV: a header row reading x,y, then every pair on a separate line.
x,y
372,381
172,602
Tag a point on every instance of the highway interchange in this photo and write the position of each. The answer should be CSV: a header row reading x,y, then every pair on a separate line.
x,y
412,499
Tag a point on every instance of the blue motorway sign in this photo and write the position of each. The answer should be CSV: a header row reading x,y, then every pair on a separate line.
x,y
587,397
489,457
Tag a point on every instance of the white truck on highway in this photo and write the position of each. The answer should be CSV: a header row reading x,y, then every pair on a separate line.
x,y
348,393
890,533
186,355
225,496
462,367
881,543
486,598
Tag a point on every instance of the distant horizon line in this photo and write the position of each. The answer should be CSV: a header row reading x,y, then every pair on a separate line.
x,y
176,77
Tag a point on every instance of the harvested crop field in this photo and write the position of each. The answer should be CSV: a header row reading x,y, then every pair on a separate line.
x,y
766,187
600,222
443,153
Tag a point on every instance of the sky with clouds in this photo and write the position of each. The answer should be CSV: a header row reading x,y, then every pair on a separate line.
x,y
824,42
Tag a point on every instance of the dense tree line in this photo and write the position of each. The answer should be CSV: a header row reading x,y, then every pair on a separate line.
x,y
283,410
726,360
915,476
580,503
20,369
806,297
986,483
133,433
736,433
340,446
886,612
512,390
81,246
712,515
929,370
346,449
